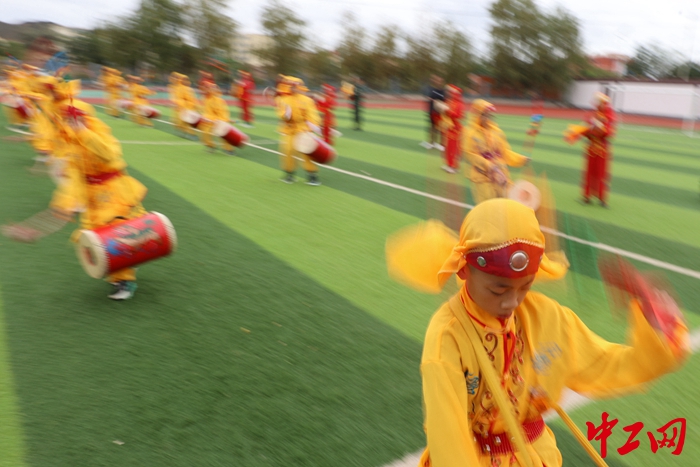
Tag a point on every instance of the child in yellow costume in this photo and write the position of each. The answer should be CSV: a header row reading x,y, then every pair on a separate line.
x,y
498,355
173,89
94,182
139,95
113,84
485,147
215,109
297,113
185,99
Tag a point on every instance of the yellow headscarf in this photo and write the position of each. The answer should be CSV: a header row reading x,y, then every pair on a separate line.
x,y
425,256
478,108
298,82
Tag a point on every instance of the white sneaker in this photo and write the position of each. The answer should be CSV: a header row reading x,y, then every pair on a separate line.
x,y
439,147
426,145
123,290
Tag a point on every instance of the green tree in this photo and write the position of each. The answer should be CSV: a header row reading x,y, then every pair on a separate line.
x,y
385,56
531,50
420,61
655,62
286,31
355,58
323,67
87,48
454,52
213,31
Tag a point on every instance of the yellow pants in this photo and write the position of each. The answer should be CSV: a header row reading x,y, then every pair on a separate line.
x,y
205,136
288,159
179,124
112,107
136,116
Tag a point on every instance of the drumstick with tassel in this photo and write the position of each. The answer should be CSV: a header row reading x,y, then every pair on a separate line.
x,y
531,134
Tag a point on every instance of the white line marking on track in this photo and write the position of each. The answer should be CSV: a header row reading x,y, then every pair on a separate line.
x,y
600,246
21,132
162,143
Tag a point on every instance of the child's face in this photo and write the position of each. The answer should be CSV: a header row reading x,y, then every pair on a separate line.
x,y
498,296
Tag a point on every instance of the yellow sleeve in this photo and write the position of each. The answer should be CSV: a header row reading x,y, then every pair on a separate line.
x,y
98,139
450,435
281,107
223,110
512,158
604,369
312,114
472,152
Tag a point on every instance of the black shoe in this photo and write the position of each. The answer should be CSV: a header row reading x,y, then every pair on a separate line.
x,y
586,201
604,204
313,180
288,178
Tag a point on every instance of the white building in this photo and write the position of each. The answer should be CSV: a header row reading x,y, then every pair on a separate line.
x,y
245,45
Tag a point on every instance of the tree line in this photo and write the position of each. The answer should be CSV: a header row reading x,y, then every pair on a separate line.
x,y
530,51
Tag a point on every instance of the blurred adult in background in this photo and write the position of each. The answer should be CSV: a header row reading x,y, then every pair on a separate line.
x,y
452,123
436,93
354,93
243,89
485,147
601,128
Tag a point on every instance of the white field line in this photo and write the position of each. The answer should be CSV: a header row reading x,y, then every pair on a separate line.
x,y
17,130
162,143
570,401
600,246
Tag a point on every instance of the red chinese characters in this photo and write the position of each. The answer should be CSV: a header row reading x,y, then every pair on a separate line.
x,y
673,435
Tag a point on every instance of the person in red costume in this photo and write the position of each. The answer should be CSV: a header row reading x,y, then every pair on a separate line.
x,y
206,79
601,128
453,127
243,90
325,104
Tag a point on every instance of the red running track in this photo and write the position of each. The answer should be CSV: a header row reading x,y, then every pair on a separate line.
x,y
506,109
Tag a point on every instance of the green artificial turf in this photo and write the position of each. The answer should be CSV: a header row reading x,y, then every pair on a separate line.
x,y
274,335
175,375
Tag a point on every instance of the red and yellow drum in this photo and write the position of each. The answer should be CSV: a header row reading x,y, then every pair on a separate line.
x,y
127,244
148,112
191,117
318,150
229,133
124,104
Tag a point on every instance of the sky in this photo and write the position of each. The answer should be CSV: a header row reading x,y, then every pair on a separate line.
x,y
607,26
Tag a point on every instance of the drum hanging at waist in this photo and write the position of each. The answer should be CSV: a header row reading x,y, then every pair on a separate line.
x,y
318,150
110,248
229,133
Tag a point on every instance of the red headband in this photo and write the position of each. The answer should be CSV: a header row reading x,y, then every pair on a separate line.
x,y
513,260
